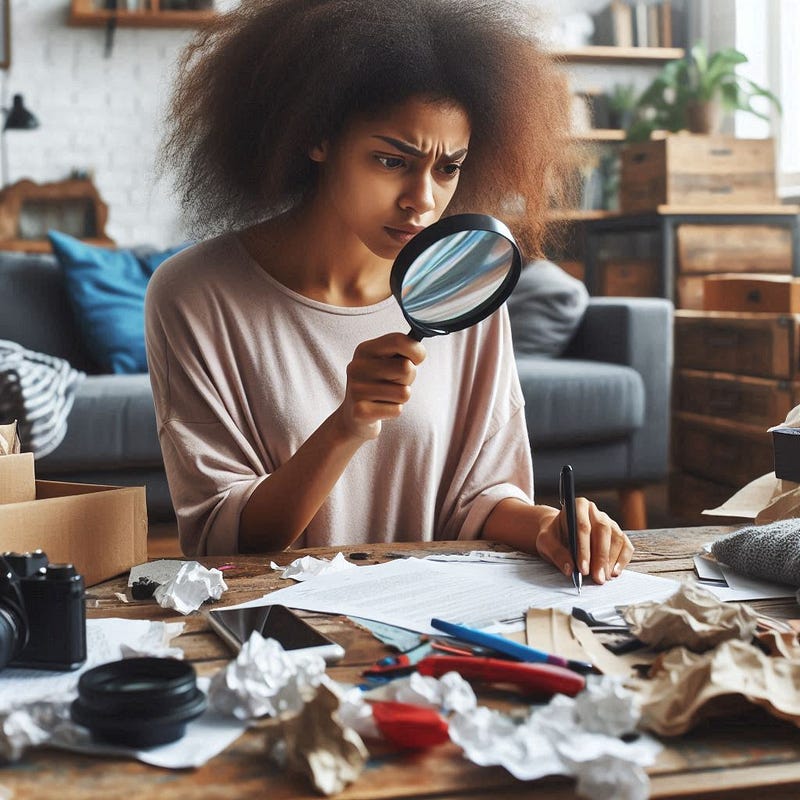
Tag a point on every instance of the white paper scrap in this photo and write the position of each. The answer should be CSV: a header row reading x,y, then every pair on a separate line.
x,y
301,569
191,586
557,740
448,693
155,642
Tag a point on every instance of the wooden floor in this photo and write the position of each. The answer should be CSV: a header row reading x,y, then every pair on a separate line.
x,y
163,537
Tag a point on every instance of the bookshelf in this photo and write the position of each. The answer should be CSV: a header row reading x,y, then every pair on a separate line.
x,y
155,14
601,54
600,135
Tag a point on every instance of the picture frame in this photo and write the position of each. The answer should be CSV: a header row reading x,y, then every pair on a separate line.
x,y
5,34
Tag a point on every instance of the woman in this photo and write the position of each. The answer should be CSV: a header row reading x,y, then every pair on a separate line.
x,y
318,137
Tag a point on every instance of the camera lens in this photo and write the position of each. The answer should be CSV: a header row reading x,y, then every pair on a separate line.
x,y
14,629
11,643
139,702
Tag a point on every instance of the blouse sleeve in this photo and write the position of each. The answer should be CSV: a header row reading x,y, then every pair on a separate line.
x,y
212,469
495,456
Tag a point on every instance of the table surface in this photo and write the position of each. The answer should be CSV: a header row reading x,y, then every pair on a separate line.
x,y
729,760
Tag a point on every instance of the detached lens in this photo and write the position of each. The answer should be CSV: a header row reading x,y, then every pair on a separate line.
x,y
138,702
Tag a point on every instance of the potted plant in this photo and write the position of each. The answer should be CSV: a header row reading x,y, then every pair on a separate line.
x,y
622,103
691,93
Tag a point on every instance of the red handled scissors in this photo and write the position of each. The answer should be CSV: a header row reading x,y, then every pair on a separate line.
x,y
543,680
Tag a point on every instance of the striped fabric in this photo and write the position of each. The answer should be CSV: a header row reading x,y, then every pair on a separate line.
x,y
37,390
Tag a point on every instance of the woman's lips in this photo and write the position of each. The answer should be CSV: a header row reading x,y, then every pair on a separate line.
x,y
402,235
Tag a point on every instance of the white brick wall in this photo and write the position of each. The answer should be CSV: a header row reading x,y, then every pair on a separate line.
x,y
97,114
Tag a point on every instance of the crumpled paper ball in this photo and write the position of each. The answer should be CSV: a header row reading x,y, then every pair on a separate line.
x,y
684,688
192,585
316,743
693,618
265,680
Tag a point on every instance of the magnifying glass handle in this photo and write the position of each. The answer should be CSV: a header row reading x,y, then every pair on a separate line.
x,y
415,335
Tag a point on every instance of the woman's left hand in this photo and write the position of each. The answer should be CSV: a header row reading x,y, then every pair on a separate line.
x,y
603,549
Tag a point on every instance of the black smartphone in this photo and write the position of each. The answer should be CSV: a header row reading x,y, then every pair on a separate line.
x,y
234,626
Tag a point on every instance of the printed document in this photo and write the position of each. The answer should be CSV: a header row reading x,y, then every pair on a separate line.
x,y
408,592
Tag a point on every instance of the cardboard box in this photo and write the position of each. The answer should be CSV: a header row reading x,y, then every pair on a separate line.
x,y
697,170
786,446
102,530
775,294
17,482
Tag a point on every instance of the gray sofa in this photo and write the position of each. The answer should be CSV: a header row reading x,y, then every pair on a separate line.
x,y
603,406
111,434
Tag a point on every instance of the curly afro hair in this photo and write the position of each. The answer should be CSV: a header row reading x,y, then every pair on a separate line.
x,y
263,84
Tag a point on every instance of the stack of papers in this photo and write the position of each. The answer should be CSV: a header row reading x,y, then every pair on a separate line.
x,y
408,592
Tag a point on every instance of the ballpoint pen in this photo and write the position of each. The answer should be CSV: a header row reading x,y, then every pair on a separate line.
x,y
566,487
521,652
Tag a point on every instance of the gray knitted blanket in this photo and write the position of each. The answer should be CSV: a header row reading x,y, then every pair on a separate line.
x,y
38,391
771,552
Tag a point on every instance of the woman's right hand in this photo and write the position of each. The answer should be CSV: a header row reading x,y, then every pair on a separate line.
x,y
379,382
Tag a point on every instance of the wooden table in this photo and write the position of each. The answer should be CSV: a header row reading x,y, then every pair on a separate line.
x,y
732,760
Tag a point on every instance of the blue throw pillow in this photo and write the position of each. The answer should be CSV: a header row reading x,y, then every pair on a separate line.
x,y
106,289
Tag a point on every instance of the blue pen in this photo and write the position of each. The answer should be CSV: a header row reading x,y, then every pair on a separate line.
x,y
500,644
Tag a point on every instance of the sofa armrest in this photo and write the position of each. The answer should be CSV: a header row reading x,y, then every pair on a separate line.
x,y
637,332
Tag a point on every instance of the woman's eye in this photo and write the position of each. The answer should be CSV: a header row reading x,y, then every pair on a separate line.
x,y
451,170
390,162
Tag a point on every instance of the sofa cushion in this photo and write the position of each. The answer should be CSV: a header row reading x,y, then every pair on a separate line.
x,y
112,426
545,308
106,289
568,401
35,308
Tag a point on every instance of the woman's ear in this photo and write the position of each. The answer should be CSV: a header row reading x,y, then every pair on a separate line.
x,y
319,152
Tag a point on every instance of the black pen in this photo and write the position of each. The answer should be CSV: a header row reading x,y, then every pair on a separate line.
x,y
566,487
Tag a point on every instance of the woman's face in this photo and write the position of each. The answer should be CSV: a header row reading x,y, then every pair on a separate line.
x,y
388,176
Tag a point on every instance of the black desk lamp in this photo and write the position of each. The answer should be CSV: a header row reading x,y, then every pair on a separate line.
x,y
18,118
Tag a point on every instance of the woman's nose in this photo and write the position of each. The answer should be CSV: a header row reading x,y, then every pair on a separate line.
x,y
418,195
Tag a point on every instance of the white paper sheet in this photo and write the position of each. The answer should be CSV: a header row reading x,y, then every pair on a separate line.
x,y
740,588
734,587
205,737
408,592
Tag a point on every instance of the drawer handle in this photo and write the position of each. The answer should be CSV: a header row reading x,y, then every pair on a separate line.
x,y
754,296
721,151
721,189
639,157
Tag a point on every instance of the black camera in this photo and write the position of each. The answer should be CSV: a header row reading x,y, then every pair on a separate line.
x,y
42,613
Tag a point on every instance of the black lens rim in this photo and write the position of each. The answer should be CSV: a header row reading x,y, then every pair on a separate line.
x,y
447,226
139,717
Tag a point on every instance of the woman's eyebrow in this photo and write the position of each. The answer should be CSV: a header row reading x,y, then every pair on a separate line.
x,y
410,150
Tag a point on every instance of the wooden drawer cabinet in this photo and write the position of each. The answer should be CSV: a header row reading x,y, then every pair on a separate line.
x,y
719,450
733,248
739,398
695,170
736,374
762,345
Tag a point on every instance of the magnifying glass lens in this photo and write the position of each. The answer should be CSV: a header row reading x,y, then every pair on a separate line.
x,y
456,275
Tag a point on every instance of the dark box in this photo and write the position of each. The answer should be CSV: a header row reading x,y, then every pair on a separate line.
x,y
786,446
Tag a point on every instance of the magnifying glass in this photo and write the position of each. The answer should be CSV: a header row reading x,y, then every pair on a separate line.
x,y
455,273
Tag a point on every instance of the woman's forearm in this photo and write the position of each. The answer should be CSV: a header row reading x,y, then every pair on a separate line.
x,y
517,524
283,505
